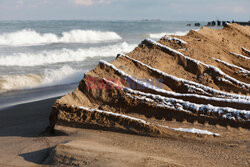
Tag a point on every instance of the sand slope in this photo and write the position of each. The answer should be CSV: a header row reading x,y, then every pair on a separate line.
x,y
202,78
196,77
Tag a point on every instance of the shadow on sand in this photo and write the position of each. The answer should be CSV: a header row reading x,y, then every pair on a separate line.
x,y
37,157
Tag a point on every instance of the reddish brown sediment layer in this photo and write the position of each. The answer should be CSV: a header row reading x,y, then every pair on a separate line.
x,y
203,76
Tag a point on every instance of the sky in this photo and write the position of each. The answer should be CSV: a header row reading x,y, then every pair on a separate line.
x,y
172,10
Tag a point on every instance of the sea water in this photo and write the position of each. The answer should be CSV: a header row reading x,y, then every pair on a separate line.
x,y
42,59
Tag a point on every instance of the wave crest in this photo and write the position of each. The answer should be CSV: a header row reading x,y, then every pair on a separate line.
x,y
63,55
61,76
31,37
162,34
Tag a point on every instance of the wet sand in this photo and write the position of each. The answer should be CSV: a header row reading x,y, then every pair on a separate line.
x,y
20,128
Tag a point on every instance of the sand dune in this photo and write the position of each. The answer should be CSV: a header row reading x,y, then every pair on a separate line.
x,y
183,78
200,77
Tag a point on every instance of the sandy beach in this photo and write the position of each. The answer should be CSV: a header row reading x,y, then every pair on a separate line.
x,y
23,142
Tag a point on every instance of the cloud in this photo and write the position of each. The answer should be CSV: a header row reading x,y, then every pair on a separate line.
x,y
239,9
83,2
20,1
90,2
233,9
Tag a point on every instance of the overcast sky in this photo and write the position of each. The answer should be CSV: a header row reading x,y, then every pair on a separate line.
x,y
195,10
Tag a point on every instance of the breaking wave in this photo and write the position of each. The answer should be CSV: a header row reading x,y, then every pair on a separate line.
x,y
160,35
61,76
64,55
31,37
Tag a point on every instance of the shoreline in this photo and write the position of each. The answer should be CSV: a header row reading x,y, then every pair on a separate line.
x,y
27,102
13,98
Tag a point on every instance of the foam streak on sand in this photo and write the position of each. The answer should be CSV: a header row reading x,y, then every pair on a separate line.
x,y
31,37
180,41
247,52
197,131
114,114
63,55
241,56
241,70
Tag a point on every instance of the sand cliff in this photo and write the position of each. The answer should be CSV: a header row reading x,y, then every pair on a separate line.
x,y
203,76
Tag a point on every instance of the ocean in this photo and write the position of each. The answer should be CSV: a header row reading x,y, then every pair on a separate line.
x,y
43,59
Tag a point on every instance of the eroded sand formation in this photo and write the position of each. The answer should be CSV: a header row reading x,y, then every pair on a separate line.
x,y
203,76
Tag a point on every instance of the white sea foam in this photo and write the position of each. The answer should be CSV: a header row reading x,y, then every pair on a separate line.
x,y
162,34
61,76
64,55
31,37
